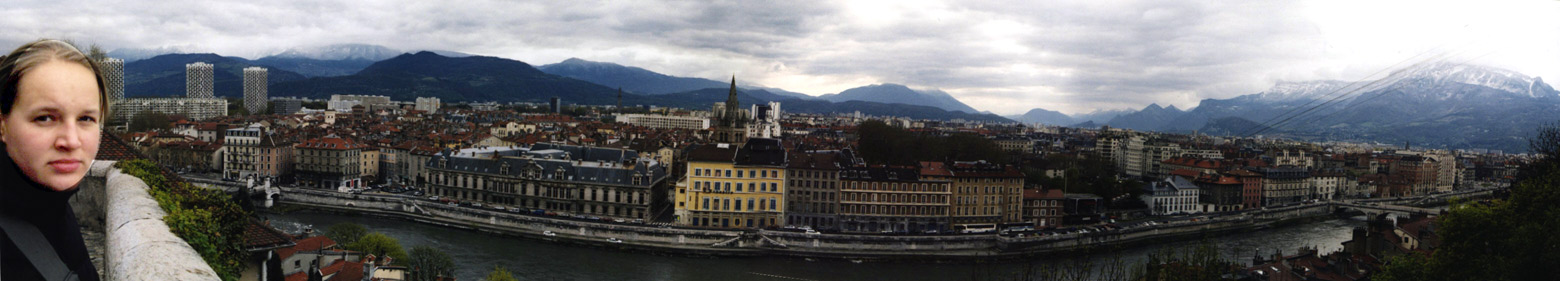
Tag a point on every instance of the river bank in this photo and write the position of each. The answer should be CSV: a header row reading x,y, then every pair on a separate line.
x,y
477,252
736,243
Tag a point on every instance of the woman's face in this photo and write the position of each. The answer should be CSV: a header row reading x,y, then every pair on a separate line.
x,y
52,131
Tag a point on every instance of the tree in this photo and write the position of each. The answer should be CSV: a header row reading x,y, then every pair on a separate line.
x,y
149,120
345,233
236,107
380,245
96,53
500,274
428,263
1511,239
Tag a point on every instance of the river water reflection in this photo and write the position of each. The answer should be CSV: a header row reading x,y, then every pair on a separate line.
x,y
476,253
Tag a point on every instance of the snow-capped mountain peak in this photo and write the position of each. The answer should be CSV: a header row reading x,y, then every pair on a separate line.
x,y
342,52
1308,90
1495,78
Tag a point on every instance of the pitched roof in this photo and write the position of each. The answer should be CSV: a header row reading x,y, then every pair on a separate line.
x,y
115,148
259,236
331,143
761,152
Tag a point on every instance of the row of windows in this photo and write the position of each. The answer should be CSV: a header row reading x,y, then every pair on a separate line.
x,y
880,186
812,174
896,198
812,184
593,194
732,222
894,210
761,173
705,186
726,204
987,189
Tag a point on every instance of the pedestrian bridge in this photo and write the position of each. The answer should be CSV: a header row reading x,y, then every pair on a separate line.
x,y
1374,209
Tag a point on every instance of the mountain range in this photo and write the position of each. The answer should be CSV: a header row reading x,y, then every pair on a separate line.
x,y
479,78
895,93
639,80
1441,105
164,75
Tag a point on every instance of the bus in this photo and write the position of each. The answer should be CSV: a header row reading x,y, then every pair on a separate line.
x,y
976,228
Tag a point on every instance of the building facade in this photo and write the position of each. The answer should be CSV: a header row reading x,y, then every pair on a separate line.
x,y
428,104
665,121
254,151
1284,185
1171,196
197,80
113,80
892,199
546,177
286,106
193,108
812,188
1043,207
330,162
255,89
344,103
983,193
734,187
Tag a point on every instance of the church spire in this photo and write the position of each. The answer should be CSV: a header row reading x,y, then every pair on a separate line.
x,y
731,99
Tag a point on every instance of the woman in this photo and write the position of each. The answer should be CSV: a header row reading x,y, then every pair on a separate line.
x,y
52,104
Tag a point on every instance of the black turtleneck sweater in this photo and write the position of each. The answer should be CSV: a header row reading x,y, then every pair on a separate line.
x,y
49,211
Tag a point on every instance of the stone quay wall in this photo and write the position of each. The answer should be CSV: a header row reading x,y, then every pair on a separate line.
x,y
726,242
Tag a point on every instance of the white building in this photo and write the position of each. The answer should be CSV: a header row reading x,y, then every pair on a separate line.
x,y
1173,195
429,104
197,80
765,121
255,89
665,121
113,79
344,103
1324,185
193,108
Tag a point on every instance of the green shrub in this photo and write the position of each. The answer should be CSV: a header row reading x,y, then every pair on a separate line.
x,y
204,218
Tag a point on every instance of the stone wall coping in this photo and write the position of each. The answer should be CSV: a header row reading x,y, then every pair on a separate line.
x,y
140,246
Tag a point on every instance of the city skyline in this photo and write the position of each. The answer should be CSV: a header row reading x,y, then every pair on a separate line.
x,y
1001,57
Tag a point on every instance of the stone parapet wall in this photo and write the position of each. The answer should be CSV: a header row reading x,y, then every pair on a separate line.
x,y
139,244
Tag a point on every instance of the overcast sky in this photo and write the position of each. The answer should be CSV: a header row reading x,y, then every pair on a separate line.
x,y
1002,56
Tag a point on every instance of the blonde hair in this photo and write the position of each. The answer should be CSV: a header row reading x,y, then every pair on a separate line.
x,y
33,54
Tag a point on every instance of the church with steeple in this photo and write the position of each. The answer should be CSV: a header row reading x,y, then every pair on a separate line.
x,y
730,122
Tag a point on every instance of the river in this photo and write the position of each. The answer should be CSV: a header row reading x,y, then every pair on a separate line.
x,y
477,253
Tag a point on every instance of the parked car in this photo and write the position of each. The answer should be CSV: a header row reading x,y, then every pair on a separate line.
x,y
549,233
614,240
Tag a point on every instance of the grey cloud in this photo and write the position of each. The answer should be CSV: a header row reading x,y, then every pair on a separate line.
x,y
1087,54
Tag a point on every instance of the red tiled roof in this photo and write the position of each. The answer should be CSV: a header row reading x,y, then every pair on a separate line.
x,y
1186,173
115,148
259,235
930,168
331,143
348,271
306,244
1031,193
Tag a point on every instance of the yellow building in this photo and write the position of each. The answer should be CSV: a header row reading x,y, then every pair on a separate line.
x,y
983,193
734,187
